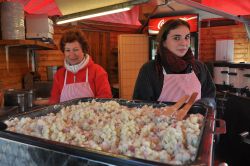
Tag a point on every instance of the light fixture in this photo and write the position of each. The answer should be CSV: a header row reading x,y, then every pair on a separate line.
x,y
121,7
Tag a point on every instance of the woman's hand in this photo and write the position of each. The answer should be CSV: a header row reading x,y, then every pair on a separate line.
x,y
41,101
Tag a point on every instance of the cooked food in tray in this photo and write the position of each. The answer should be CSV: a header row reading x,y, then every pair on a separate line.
x,y
118,129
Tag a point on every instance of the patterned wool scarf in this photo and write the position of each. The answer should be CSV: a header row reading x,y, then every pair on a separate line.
x,y
177,64
75,68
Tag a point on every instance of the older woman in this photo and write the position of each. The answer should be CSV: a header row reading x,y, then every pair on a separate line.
x,y
175,72
80,76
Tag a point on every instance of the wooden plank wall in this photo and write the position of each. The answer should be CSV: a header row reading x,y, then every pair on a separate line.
x,y
102,39
17,67
208,37
103,48
48,58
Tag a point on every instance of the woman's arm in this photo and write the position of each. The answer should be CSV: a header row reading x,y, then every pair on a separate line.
x,y
144,89
41,101
208,89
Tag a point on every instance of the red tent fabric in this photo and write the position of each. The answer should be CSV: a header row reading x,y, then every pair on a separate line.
x,y
235,7
50,7
40,7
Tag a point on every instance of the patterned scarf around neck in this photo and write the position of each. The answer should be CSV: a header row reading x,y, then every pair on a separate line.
x,y
177,64
75,68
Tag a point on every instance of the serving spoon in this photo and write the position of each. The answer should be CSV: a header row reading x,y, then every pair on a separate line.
x,y
180,114
169,110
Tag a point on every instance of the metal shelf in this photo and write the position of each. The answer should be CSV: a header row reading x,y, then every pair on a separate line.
x,y
30,45
34,44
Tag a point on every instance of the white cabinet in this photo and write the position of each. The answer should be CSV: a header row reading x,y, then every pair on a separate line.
x,y
221,76
224,50
246,78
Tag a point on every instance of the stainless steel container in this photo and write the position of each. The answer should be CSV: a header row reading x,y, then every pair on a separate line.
x,y
246,78
18,98
21,100
51,70
16,145
31,97
221,76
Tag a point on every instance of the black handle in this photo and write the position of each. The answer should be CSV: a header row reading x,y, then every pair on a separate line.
x,y
224,72
231,73
246,75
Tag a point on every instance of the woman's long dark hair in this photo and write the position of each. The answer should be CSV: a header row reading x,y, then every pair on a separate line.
x,y
162,36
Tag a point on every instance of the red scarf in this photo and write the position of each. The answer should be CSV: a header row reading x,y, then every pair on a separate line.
x,y
175,63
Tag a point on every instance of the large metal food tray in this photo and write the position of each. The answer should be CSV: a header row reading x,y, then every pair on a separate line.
x,y
19,149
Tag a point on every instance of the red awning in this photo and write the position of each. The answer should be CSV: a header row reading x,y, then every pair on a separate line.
x,y
235,7
50,8
40,7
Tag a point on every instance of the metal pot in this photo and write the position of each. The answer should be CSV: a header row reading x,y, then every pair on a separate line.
x,y
51,70
31,97
16,98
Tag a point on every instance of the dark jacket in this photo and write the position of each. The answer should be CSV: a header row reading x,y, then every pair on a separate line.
x,y
148,84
